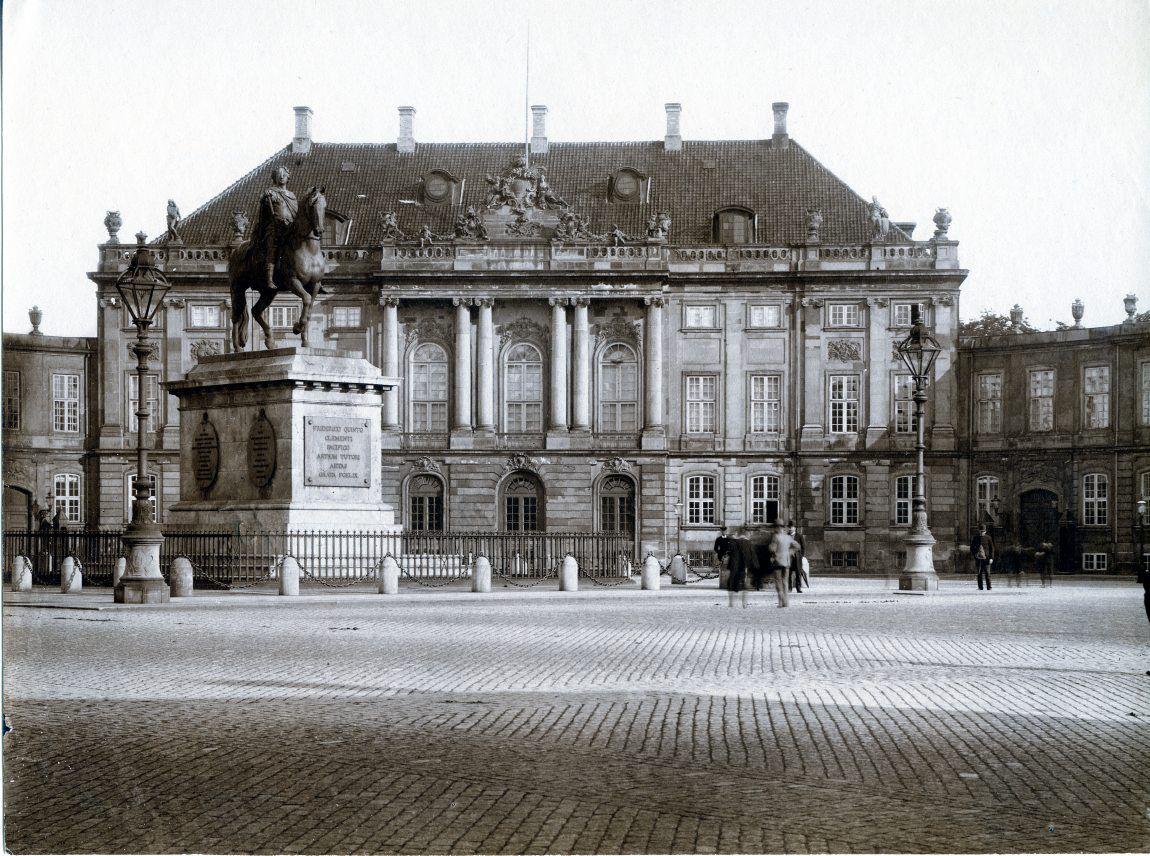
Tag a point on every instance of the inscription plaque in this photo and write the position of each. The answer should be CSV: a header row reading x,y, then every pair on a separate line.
x,y
337,452
261,451
206,455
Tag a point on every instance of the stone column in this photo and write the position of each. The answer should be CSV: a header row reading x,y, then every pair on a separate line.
x,y
390,361
581,395
462,417
558,421
879,411
654,431
485,358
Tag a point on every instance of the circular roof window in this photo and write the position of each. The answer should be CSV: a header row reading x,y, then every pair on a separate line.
x,y
626,184
436,186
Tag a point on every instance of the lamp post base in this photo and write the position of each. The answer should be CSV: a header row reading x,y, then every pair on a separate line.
x,y
919,574
143,582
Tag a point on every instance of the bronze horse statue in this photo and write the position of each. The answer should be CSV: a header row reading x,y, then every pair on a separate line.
x,y
299,270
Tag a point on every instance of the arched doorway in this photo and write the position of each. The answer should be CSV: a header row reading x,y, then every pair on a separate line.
x,y
617,505
522,506
425,504
1038,518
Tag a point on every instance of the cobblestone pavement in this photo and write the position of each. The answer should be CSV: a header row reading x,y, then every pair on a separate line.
x,y
661,722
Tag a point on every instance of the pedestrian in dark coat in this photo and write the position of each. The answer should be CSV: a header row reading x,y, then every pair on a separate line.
x,y
730,553
795,578
982,551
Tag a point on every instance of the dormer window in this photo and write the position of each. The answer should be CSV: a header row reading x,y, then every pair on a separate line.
x,y
734,226
438,186
628,185
336,228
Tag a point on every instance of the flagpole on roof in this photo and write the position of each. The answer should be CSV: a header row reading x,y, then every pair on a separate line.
x,y
527,95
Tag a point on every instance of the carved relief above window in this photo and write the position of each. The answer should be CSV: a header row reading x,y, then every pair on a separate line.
x,y
619,329
524,329
205,348
428,330
844,350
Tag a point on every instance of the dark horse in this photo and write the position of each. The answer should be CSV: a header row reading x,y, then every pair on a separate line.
x,y
299,271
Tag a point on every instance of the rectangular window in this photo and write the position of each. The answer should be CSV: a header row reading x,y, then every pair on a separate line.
x,y
764,499
1095,561
844,403
700,500
522,513
524,397
903,493
203,315
1144,384
766,404
282,315
1040,393
844,501
152,499
768,315
66,493
703,317
1096,397
990,403
11,400
151,387
345,316
66,402
1095,499
986,492
843,315
427,513
904,311
904,404
848,559
701,392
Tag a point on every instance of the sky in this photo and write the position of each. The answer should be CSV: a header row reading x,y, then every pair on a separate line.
x,y
1029,121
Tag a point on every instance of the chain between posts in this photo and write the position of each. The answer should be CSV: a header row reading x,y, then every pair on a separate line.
x,y
550,575
603,581
446,581
353,581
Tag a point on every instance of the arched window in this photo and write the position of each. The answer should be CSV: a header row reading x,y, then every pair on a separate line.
x,y
734,226
522,501
1144,486
903,496
700,500
764,499
523,376
617,505
618,390
844,501
1095,499
986,492
429,388
425,504
153,499
66,496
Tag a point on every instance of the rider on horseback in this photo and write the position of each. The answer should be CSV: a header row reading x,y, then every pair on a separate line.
x,y
274,220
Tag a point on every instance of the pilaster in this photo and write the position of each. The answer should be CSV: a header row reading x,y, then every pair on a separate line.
x,y
654,429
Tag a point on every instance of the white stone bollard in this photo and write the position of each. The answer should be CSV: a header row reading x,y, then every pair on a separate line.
x,y
389,576
651,571
118,571
21,574
678,570
569,575
71,577
481,576
180,578
289,577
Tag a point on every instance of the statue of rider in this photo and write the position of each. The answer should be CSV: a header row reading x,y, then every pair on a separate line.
x,y
274,220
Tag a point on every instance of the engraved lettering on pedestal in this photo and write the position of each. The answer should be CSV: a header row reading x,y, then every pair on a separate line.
x,y
206,456
261,452
337,452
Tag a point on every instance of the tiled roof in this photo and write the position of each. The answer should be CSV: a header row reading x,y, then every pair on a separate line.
x,y
361,181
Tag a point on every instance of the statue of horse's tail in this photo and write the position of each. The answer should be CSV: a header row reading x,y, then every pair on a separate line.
x,y
240,314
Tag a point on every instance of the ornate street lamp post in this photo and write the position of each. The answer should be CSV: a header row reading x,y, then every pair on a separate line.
x,y
1140,521
919,351
142,288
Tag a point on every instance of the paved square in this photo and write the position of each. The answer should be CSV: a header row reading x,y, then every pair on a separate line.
x,y
606,721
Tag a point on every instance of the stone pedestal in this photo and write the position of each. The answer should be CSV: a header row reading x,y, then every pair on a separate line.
x,y
282,440
142,581
919,574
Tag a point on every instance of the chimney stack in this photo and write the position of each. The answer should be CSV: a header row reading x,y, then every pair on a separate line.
x,y
406,142
301,143
673,142
538,129
780,140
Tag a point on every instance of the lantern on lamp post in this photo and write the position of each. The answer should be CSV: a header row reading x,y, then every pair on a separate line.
x,y
918,352
142,288
1141,519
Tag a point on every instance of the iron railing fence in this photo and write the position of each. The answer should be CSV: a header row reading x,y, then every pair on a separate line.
x,y
222,560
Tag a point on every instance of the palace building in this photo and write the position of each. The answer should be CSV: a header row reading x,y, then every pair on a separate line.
x,y
654,337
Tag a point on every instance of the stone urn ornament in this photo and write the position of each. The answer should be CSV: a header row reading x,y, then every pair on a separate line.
x,y
35,315
814,223
1130,302
113,222
941,224
1077,310
1016,318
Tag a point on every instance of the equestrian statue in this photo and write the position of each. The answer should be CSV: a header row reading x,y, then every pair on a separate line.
x,y
284,254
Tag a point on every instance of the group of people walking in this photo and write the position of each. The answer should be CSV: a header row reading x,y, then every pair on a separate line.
x,y
777,553
1011,561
